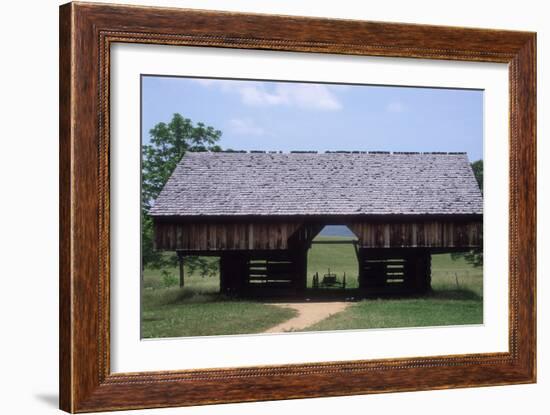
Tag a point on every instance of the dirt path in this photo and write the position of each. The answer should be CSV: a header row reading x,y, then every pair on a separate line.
x,y
308,314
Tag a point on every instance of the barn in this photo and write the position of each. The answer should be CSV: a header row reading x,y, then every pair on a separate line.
x,y
259,212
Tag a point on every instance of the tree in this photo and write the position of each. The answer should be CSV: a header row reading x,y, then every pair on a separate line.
x,y
477,168
474,256
168,143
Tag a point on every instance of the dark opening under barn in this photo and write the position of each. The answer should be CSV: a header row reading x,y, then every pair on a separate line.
x,y
260,213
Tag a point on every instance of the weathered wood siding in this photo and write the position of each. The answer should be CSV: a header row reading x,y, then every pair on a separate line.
x,y
277,235
304,234
263,273
223,236
425,234
394,271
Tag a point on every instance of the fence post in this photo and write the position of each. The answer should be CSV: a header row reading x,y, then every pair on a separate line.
x,y
182,270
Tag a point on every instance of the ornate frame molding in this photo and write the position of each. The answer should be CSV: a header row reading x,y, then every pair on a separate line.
x,y
86,33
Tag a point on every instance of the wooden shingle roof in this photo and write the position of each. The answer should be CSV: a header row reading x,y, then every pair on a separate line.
x,y
336,183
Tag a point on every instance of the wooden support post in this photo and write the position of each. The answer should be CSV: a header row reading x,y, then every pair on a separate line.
x,y
356,249
361,270
223,275
425,277
300,271
181,260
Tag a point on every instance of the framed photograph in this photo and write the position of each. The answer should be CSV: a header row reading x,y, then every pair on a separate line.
x,y
259,207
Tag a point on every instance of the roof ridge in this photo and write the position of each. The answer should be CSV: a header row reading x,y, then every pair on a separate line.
x,y
230,151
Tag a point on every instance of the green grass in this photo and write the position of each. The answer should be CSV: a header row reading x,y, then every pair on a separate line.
x,y
386,313
456,299
456,276
178,318
153,280
339,258
199,309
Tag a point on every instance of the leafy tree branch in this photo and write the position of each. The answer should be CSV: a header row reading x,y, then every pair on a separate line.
x,y
167,145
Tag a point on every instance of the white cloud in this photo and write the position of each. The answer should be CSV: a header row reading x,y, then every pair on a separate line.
x,y
395,106
311,96
306,96
245,127
254,95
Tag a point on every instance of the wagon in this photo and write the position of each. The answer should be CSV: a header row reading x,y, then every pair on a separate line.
x,y
330,280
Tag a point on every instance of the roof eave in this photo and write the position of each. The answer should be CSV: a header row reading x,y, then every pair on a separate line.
x,y
328,218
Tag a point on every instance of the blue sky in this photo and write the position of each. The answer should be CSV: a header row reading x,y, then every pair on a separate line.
x,y
285,116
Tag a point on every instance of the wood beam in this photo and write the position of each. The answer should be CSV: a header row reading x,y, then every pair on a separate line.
x,y
181,261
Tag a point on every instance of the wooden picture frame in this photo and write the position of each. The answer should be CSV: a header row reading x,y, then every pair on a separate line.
x,y
86,33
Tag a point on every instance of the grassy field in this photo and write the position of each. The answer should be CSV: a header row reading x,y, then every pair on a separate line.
x,y
405,312
457,296
199,309
171,312
339,258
